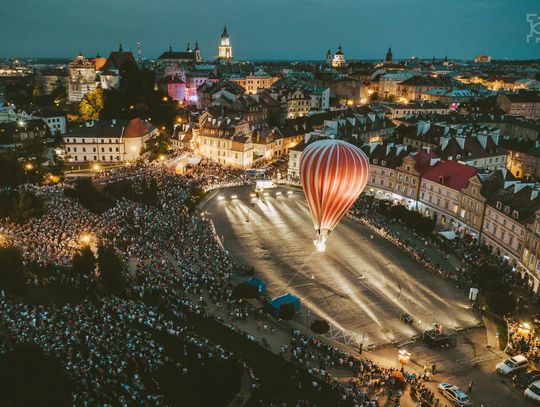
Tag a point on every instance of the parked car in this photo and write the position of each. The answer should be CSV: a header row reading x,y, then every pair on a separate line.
x,y
512,365
525,379
533,391
406,319
453,393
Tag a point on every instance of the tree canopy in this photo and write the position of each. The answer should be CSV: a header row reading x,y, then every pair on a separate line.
x,y
30,377
91,105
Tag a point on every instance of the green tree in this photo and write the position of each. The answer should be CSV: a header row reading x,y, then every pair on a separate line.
x,y
373,97
84,264
156,147
31,377
12,270
320,326
287,311
245,290
26,205
110,269
91,105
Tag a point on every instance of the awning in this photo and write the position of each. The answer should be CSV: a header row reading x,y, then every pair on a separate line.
x,y
448,234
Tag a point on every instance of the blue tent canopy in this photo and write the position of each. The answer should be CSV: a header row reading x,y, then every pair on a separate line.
x,y
260,284
284,299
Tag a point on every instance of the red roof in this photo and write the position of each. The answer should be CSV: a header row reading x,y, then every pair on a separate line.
x,y
452,174
422,161
137,128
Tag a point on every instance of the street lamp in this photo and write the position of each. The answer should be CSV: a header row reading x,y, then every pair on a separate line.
x,y
28,166
85,239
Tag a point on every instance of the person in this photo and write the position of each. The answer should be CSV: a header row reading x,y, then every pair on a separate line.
x,y
360,347
470,387
433,368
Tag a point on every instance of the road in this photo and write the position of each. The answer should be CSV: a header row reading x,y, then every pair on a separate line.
x,y
359,284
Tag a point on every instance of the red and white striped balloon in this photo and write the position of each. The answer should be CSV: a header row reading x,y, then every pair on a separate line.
x,y
333,173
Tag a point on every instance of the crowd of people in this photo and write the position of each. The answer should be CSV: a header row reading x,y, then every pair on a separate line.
x,y
174,266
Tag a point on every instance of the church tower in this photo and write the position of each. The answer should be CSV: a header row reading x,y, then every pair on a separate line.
x,y
197,53
389,56
329,58
225,48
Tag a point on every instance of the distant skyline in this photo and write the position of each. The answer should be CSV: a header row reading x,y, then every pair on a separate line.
x,y
271,29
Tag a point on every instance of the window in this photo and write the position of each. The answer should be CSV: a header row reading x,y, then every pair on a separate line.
x,y
498,205
515,214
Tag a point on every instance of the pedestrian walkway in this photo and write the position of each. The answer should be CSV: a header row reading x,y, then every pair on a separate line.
x,y
244,393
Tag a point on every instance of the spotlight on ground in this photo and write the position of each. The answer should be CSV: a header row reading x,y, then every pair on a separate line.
x,y
253,195
266,194
289,192
220,197
234,196
278,193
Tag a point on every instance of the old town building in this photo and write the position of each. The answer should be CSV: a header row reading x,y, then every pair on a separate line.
x,y
108,140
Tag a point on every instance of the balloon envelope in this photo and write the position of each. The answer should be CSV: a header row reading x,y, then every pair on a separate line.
x,y
333,173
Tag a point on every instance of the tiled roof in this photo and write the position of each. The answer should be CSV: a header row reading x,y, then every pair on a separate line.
x,y
451,174
138,128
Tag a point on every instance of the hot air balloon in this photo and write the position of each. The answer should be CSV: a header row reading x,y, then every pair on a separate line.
x,y
333,173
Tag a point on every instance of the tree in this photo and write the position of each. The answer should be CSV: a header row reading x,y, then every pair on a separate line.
x,y
320,326
373,97
245,290
26,205
12,270
287,311
110,269
84,264
30,377
156,147
500,302
89,197
91,105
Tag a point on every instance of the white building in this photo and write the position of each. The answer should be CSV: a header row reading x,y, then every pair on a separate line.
x,y
108,140
55,119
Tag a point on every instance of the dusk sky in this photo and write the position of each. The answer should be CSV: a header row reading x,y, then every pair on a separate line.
x,y
271,29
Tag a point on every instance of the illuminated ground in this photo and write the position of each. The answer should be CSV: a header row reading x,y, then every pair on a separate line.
x,y
359,284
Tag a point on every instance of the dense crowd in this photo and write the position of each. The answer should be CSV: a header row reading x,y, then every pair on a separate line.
x,y
174,262
106,344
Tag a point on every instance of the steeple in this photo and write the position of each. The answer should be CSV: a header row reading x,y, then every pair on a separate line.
x,y
120,49
225,49
188,49
197,53
170,48
389,55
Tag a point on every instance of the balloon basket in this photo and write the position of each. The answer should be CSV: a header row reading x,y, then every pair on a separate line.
x,y
320,243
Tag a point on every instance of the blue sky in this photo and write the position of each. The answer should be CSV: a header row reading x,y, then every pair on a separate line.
x,y
271,29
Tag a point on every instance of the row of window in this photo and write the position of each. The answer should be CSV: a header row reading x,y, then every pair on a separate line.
x,y
92,140
83,149
101,158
